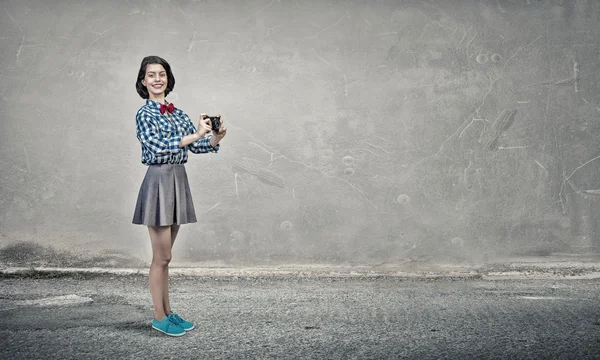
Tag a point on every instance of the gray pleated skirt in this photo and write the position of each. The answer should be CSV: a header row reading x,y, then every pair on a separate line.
x,y
165,197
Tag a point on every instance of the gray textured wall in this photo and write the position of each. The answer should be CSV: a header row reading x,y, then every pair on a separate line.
x,y
360,132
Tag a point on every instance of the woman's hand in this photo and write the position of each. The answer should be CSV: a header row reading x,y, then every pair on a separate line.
x,y
204,126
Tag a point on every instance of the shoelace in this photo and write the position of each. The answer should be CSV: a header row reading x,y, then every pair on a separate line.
x,y
171,321
176,317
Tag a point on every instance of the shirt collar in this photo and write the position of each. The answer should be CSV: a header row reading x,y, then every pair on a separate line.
x,y
153,104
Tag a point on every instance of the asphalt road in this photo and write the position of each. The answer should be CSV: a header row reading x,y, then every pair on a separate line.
x,y
104,317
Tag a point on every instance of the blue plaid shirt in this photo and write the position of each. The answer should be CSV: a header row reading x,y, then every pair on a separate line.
x,y
160,135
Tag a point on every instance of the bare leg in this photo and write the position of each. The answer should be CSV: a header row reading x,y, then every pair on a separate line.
x,y
160,236
165,298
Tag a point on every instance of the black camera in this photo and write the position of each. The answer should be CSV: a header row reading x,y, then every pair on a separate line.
x,y
215,122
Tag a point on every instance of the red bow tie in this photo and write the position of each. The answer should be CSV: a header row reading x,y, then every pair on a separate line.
x,y
169,107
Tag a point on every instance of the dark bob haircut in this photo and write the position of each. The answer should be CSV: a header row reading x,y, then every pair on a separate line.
x,y
141,89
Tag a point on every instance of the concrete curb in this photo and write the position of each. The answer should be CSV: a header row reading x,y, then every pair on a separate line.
x,y
522,271
245,272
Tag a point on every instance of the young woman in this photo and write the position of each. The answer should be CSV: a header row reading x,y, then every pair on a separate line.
x,y
164,201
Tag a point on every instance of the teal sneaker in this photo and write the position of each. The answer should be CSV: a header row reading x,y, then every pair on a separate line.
x,y
168,326
186,325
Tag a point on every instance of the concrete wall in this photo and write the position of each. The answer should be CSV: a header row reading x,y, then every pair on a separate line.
x,y
360,132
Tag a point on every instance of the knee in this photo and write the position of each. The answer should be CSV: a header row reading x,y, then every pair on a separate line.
x,y
162,260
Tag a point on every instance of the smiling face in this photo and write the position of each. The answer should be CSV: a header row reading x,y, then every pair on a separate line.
x,y
155,81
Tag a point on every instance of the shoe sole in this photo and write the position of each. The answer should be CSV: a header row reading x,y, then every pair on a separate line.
x,y
166,333
190,329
